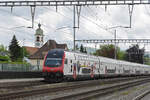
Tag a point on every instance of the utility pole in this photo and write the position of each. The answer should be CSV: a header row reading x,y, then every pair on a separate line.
x,y
33,15
143,51
115,52
23,48
74,27
95,47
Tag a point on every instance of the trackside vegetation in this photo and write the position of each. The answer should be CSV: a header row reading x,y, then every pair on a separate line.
x,y
14,54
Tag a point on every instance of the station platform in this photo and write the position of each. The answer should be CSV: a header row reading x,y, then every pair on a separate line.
x,y
20,80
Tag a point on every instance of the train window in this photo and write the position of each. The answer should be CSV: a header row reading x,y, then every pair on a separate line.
x,y
66,61
71,68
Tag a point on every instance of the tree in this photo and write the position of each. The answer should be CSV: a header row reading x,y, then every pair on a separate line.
x,y
109,51
4,58
24,52
85,51
3,48
81,48
121,55
15,50
4,54
3,51
77,48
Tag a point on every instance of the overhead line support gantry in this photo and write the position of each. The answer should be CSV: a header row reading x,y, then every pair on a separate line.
x,y
115,41
72,3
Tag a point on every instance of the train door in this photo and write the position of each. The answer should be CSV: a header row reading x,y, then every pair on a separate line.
x,y
102,68
68,64
117,69
96,64
120,68
99,65
66,69
75,66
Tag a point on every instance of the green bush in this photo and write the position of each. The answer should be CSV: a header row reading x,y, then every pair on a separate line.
x,y
16,62
4,58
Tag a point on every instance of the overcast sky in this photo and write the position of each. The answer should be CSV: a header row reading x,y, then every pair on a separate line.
x,y
93,21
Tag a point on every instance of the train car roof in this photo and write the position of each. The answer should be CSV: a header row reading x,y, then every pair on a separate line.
x,y
105,59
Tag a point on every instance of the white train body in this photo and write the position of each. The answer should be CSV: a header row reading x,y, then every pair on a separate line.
x,y
78,65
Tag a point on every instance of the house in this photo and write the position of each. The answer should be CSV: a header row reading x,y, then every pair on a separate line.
x,y
38,57
37,53
135,54
31,50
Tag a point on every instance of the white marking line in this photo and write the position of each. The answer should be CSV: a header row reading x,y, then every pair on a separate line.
x,y
139,97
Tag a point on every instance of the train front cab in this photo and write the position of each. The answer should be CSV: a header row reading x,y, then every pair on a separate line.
x,y
53,65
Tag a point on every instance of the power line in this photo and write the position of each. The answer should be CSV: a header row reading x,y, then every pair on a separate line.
x,y
14,14
104,28
71,19
51,27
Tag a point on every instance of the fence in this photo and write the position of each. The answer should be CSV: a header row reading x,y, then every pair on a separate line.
x,y
19,67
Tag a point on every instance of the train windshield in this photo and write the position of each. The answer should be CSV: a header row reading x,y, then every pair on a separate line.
x,y
53,62
54,58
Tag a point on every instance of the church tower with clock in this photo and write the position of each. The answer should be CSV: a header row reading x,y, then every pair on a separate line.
x,y
39,36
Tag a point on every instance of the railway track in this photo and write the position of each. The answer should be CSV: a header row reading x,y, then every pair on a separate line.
x,y
141,96
90,95
67,86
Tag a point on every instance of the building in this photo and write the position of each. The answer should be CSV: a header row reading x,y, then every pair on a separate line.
x,y
38,57
37,53
135,54
31,50
39,36
38,41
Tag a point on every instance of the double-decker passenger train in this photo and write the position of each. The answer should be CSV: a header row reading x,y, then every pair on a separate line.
x,y
60,64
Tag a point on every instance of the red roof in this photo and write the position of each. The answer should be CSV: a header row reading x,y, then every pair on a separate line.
x,y
31,50
50,44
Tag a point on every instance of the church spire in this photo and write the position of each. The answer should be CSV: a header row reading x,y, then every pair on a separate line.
x,y
39,25
39,36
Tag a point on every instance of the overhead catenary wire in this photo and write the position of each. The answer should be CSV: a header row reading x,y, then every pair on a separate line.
x,y
14,14
59,13
84,18
72,20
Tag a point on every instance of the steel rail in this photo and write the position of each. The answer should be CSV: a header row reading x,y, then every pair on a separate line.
x,y
141,96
